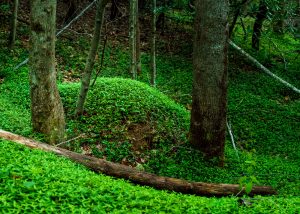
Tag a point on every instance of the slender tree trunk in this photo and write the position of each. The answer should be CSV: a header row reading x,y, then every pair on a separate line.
x,y
113,10
46,106
153,44
72,6
132,38
86,76
257,27
244,30
161,19
13,29
240,8
208,115
138,47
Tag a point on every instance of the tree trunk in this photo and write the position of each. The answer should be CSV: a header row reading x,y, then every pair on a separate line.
x,y
46,106
161,19
208,115
132,38
140,177
257,27
87,73
13,29
72,6
153,45
240,8
138,47
113,10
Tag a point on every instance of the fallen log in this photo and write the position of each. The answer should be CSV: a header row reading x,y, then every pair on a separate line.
x,y
140,177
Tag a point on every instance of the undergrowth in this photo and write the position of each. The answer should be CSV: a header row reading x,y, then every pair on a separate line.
x,y
116,105
129,122
36,181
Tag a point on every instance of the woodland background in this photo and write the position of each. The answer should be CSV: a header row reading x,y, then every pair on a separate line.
x,y
129,122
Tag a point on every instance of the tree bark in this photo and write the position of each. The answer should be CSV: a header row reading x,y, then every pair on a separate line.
x,y
87,73
113,10
13,29
72,6
208,115
238,11
132,38
46,106
138,46
257,27
153,45
140,177
161,18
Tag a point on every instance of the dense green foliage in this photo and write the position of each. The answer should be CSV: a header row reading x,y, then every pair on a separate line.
x,y
15,102
114,105
35,181
129,122
276,164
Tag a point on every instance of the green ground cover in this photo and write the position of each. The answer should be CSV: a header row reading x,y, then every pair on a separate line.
x,y
35,181
265,117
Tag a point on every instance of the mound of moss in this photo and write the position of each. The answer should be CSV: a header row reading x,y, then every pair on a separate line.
x,y
123,109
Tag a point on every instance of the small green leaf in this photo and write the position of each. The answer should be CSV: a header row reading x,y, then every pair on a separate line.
x,y
242,180
29,184
248,187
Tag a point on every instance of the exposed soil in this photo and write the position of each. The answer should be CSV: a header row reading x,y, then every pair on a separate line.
x,y
141,136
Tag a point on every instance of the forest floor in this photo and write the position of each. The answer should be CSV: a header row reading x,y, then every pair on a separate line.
x,y
131,123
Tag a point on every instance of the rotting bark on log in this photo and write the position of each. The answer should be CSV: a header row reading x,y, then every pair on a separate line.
x,y
139,177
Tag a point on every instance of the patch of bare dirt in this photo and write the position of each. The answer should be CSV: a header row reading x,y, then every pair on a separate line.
x,y
141,136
